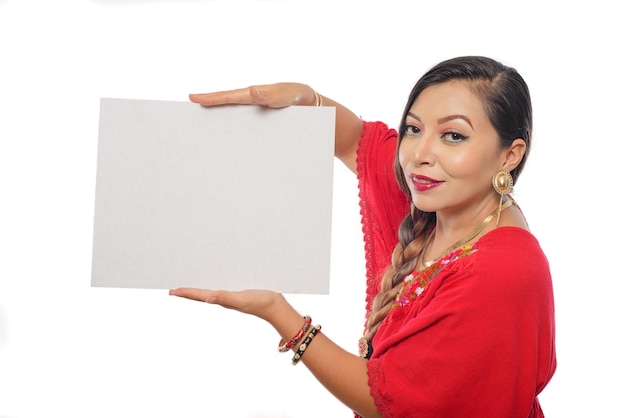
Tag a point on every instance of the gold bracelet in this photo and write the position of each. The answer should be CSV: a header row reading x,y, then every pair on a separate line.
x,y
318,99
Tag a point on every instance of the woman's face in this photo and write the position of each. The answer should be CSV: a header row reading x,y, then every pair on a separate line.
x,y
450,150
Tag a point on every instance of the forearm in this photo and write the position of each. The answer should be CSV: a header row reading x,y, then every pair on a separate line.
x,y
340,372
348,127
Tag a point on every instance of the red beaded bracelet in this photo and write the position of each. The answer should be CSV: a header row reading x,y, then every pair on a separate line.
x,y
296,358
284,347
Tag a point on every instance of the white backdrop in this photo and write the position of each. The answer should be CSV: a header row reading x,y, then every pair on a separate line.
x,y
69,350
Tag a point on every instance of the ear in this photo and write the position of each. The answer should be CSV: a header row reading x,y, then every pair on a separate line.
x,y
513,154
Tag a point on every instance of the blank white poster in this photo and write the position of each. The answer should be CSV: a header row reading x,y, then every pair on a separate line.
x,y
228,197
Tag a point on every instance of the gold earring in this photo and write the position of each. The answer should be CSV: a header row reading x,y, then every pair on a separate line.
x,y
502,182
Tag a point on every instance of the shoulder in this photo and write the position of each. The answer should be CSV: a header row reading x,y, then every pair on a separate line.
x,y
508,243
377,132
510,258
377,148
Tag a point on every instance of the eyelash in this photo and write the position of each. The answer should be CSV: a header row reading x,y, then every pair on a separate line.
x,y
412,130
456,136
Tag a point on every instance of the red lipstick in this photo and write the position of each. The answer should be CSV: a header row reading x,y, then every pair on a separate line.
x,y
424,183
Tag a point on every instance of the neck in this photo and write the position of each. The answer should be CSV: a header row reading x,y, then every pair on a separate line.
x,y
468,238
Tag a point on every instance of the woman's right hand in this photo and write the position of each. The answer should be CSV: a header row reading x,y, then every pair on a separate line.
x,y
270,95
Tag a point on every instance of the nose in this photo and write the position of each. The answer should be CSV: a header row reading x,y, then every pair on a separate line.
x,y
421,151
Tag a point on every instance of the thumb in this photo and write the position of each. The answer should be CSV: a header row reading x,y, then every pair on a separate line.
x,y
258,96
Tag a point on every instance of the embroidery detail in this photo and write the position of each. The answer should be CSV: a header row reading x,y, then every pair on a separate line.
x,y
415,283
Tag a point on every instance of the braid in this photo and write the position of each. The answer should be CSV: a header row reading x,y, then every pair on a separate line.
x,y
412,233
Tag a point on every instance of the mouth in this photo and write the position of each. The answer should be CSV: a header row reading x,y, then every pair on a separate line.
x,y
423,183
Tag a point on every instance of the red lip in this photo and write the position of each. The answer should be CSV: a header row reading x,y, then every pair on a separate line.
x,y
424,183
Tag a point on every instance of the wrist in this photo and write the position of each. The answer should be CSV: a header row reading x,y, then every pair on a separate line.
x,y
277,310
307,96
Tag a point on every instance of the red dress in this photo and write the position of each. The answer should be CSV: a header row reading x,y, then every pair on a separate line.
x,y
470,336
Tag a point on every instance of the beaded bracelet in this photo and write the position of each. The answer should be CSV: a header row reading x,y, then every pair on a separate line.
x,y
284,347
296,358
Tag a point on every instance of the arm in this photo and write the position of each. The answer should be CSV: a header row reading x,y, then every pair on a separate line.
x,y
348,126
342,373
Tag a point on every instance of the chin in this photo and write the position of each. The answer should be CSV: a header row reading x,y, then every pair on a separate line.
x,y
423,206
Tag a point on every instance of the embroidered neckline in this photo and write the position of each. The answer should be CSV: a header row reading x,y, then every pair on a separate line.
x,y
415,283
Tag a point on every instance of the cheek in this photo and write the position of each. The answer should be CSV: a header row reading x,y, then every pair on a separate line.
x,y
403,156
467,165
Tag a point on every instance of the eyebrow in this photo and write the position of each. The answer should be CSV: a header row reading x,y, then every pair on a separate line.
x,y
445,118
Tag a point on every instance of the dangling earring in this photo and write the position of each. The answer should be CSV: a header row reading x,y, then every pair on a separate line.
x,y
502,182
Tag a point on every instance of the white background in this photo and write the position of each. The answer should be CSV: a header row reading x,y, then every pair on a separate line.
x,y
69,350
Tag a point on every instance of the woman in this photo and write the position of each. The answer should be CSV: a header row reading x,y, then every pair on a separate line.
x,y
462,324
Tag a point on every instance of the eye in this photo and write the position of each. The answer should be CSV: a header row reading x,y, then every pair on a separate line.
x,y
412,130
452,136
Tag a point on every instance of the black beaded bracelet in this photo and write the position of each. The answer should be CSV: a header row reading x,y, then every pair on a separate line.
x,y
296,358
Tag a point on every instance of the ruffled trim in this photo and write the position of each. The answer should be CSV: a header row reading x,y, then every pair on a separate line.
x,y
366,219
373,377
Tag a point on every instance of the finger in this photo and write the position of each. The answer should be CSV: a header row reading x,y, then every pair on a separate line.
x,y
238,96
282,94
201,295
226,299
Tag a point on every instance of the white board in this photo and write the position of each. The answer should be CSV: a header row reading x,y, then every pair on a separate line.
x,y
228,197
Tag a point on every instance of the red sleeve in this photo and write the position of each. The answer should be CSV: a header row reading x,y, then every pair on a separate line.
x,y
479,341
383,205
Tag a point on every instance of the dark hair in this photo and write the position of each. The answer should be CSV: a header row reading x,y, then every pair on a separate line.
x,y
506,101
503,92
